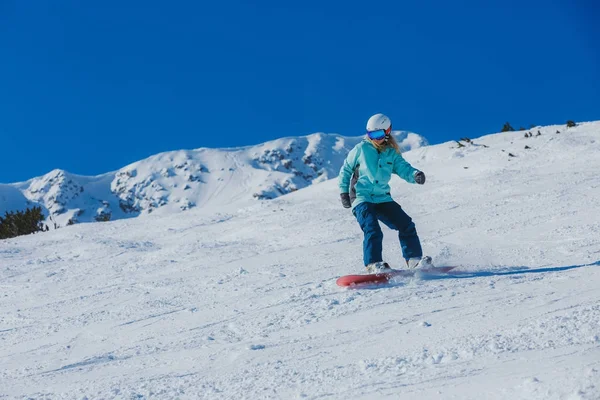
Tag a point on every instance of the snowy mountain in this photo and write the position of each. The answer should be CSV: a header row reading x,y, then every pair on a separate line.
x,y
180,180
239,301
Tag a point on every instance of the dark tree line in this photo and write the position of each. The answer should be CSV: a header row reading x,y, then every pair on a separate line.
x,y
17,223
508,128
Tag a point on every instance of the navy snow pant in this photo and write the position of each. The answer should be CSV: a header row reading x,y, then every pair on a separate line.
x,y
391,214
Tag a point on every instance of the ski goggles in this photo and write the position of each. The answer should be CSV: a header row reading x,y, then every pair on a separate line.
x,y
379,134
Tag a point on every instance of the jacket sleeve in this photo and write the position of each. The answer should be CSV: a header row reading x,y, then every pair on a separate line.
x,y
404,170
347,170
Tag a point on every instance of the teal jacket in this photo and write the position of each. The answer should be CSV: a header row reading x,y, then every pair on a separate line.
x,y
366,173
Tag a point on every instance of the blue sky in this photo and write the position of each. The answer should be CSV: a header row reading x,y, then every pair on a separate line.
x,y
93,86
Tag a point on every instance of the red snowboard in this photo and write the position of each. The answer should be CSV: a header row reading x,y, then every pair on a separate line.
x,y
349,280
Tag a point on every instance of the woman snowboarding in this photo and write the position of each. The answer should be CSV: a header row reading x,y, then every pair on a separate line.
x,y
364,185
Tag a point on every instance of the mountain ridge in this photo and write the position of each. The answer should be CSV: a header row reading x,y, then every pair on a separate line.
x,y
179,180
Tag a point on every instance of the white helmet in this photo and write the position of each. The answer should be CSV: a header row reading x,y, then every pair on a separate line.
x,y
378,122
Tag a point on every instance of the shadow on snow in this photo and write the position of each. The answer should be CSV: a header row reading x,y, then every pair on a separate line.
x,y
513,271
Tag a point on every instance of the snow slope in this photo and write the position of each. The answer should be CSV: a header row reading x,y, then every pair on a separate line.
x,y
180,180
240,302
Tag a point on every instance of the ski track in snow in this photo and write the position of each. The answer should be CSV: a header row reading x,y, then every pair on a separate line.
x,y
241,302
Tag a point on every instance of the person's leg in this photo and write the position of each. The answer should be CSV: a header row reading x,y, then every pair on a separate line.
x,y
372,243
394,217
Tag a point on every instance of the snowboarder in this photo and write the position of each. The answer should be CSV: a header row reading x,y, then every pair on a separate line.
x,y
364,185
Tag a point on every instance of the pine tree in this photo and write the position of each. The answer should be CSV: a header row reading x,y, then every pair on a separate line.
x,y
507,128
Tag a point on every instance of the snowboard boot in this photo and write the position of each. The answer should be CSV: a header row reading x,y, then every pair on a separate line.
x,y
420,263
378,267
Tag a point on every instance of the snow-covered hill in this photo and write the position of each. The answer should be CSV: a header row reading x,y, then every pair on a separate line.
x,y
181,180
238,301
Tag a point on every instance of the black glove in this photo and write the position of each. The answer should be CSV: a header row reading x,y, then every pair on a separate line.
x,y
346,200
419,177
